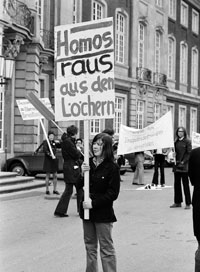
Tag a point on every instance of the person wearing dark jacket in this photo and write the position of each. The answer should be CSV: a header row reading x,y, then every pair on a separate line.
x,y
71,170
104,189
159,159
50,164
183,148
194,175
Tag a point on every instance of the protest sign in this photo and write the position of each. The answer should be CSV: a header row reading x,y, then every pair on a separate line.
x,y
154,136
41,107
195,140
84,71
29,112
84,77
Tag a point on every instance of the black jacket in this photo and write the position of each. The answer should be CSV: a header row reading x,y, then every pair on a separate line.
x,y
104,190
71,155
50,165
182,149
194,174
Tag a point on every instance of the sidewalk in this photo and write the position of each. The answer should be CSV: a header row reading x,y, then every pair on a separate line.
x,y
149,236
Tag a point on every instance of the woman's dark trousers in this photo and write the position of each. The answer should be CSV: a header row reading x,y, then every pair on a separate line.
x,y
178,176
63,203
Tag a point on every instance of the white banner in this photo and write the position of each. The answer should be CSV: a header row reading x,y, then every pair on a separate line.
x,y
29,112
195,140
84,71
157,135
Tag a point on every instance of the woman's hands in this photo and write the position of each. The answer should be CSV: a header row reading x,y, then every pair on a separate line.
x,y
87,204
85,167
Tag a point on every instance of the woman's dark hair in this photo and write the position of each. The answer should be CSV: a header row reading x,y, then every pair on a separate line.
x,y
51,132
109,131
79,140
184,130
72,130
107,150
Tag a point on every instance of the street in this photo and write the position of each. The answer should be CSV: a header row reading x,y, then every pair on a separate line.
x,y
149,236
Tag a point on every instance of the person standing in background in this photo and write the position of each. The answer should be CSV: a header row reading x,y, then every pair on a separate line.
x,y
183,148
50,164
159,160
71,170
138,177
194,175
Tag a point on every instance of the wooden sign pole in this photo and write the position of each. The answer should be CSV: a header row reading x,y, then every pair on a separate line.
x,y
86,160
51,151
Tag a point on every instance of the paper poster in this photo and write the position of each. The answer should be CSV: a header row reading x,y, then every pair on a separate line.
x,y
157,135
84,71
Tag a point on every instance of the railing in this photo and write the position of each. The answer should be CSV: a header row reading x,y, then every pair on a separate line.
x,y
47,38
19,13
160,79
143,74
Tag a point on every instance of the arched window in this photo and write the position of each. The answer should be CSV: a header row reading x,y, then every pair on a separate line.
x,y
120,37
99,9
157,51
141,44
194,67
171,58
183,62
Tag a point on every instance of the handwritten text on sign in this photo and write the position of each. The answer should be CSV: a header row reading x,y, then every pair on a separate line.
x,y
84,76
156,135
29,112
195,139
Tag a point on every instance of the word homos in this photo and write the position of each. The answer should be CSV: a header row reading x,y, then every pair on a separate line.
x,y
87,108
85,55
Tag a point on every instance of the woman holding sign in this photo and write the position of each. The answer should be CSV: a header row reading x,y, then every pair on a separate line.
x,y
104,189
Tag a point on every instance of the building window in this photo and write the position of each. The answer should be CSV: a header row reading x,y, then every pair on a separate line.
x,y
1,118
193,120
182,116
159,3
140,114
119,113
95,126
77,10
120,37
172,9
157,51
141,44
184,13
40,12
157,111
170,107
183,63
194,68
195,21
171,58
99,10
74,12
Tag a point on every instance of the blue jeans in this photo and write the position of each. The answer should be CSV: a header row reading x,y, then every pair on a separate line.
x,y
197,260
102,233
